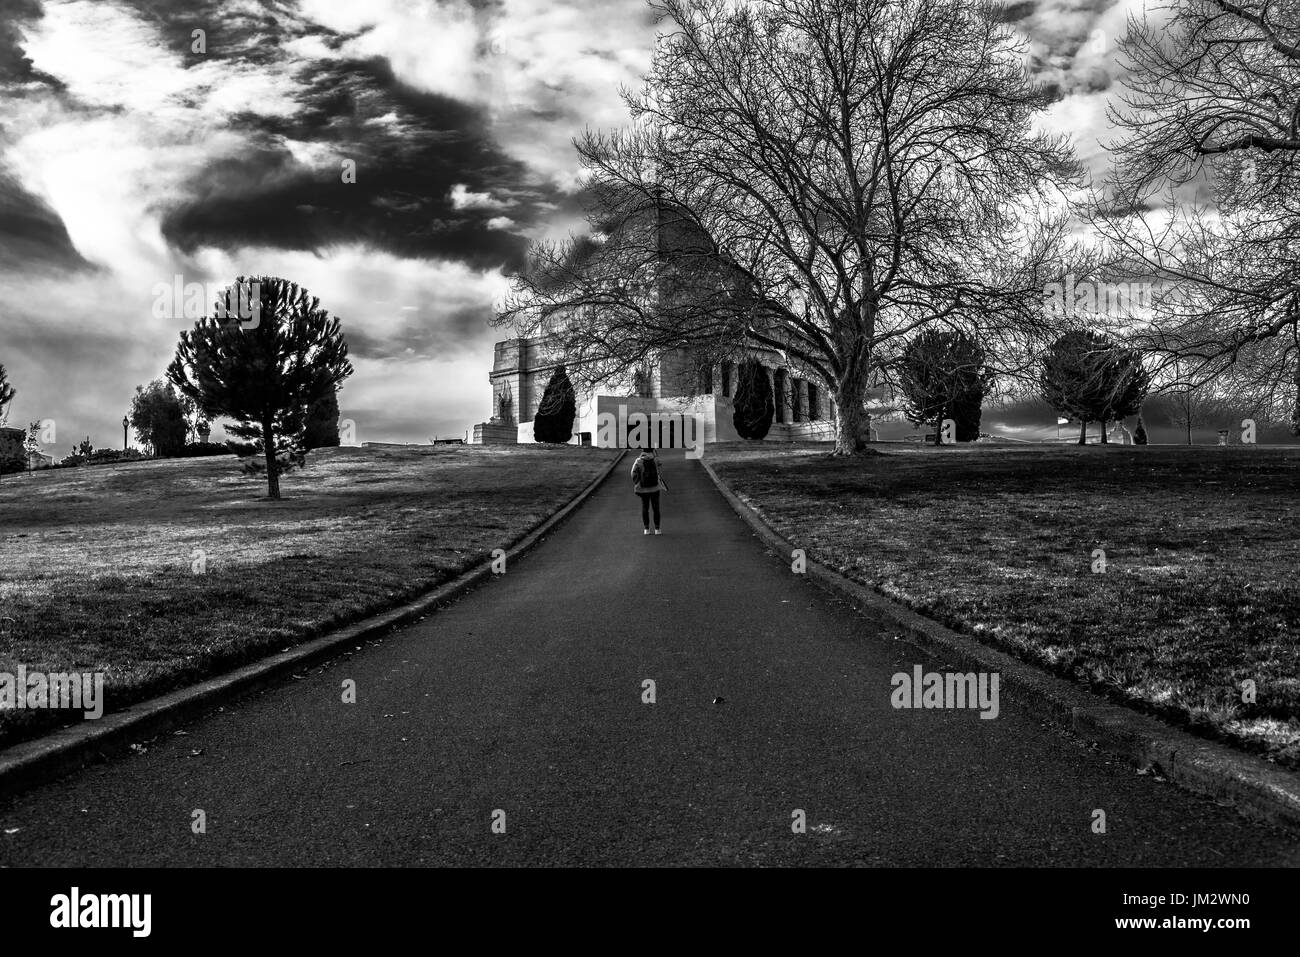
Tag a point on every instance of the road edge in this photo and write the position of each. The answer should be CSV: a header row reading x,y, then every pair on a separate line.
x,y
1251,785
30,763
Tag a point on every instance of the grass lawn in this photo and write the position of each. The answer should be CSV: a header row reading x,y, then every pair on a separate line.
x,y
97,564
1202,546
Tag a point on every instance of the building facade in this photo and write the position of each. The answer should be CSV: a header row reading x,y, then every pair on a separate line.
x,y
677,251
674,385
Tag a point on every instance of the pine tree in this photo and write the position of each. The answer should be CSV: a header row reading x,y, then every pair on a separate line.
x,y
1087,377
322,430
755,406
266,372
554,419
943,375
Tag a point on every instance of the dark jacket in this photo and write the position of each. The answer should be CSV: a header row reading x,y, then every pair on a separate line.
x,y
638,469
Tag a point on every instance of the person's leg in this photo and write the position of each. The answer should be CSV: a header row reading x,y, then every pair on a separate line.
x,y
654,500
645,510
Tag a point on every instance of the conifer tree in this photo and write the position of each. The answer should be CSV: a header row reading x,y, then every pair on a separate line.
x,y
263,372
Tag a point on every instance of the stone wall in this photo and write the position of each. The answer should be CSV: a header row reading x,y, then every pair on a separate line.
x,y
490,433
521,368
677,375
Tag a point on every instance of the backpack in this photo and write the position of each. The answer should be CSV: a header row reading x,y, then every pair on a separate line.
x,y
649,473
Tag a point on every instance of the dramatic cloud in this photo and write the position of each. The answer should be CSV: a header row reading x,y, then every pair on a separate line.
x,y
394,157
32,236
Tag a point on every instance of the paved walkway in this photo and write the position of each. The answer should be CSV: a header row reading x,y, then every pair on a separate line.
x,y
526,696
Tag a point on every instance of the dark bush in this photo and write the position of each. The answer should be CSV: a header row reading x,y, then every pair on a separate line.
x,y
13,457
84,456
242,449
195,450
554,419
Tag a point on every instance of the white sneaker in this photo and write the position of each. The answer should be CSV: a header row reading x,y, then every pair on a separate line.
x,y
646,532
656,531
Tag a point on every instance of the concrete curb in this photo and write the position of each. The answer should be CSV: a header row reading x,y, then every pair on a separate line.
x,y
1253,786
29,763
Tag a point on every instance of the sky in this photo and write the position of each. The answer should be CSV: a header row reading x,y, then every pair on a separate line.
x,y
128,158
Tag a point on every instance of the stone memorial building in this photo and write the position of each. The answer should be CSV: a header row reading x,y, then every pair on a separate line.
x,y
674,384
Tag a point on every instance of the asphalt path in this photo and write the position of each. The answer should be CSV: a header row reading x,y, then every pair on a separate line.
x,y
527,697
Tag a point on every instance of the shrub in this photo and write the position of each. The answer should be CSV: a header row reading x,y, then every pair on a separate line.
x,y
199,449
554,419
242,449
117,455
1140,433
85,455
13,457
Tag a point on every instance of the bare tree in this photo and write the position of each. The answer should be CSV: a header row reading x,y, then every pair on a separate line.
x,y
1189,402
819,178
1213,99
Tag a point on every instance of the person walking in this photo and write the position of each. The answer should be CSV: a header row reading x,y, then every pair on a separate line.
x,y
648,482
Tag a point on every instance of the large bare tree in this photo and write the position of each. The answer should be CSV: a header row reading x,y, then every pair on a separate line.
x,y
1205,192
821,178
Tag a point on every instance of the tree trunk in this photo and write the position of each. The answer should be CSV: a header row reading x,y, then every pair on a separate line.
x,y
272,475
851,388
1103,432
849,418
1083,432
938,430
1295,412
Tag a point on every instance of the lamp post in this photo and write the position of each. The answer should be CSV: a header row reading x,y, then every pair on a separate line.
x,y
125,422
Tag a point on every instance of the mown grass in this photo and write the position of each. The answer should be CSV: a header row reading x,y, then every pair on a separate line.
x,y
1202,546
97,565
